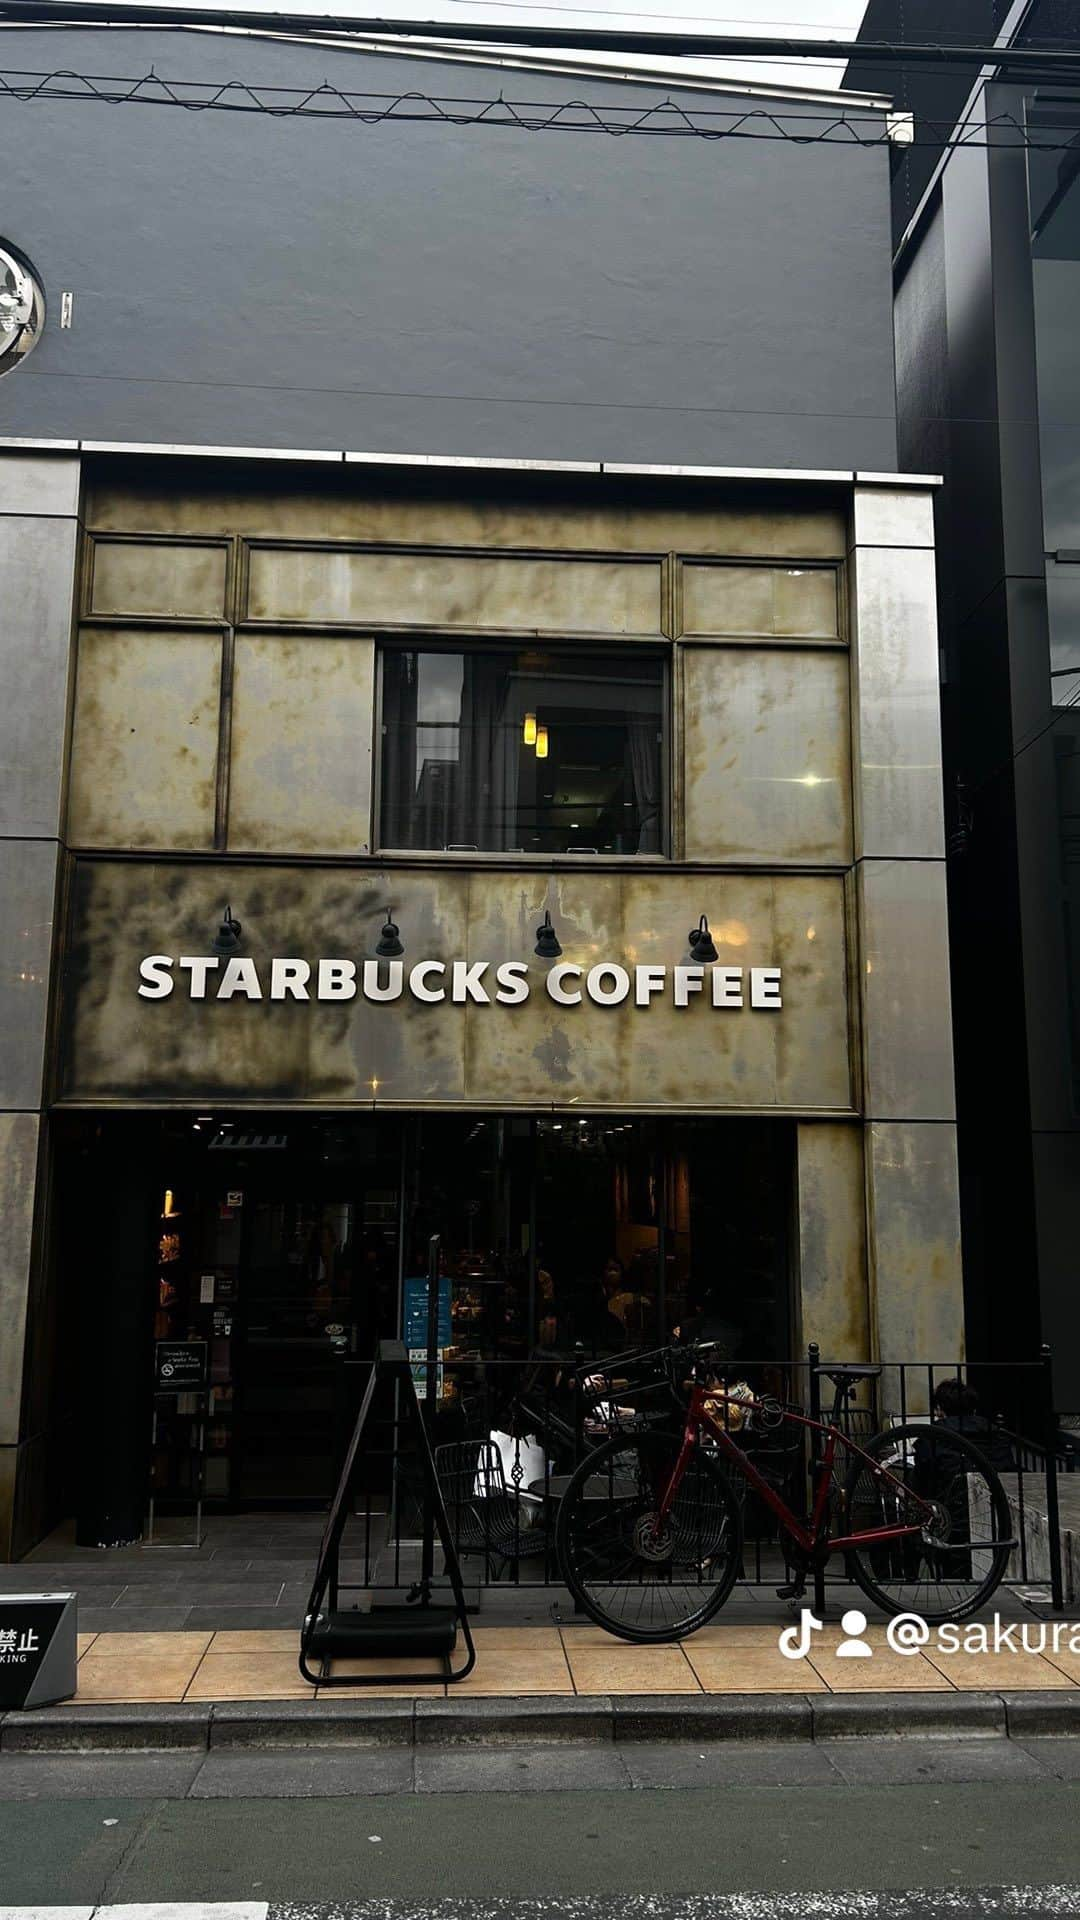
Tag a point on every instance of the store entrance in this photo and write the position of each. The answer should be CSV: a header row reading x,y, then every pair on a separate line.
x,y
288,1246
277,1245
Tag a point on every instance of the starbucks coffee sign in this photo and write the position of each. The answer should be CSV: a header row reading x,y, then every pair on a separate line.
x,y
510,983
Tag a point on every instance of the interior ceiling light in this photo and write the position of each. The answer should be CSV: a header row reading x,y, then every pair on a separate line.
x,y
541,743
528,730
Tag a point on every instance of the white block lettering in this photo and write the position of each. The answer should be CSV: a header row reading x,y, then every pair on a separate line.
x,y
555,984
200,966
647,981
288,980
466,982
727,987
395,980
155,973
242,976
337,980
614,995
513,979
418,981
765,987
687,981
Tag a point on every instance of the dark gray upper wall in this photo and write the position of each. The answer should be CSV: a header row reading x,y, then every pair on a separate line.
x,y
240,280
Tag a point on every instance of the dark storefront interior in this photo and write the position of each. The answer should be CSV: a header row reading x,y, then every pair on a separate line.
x,y
290,1245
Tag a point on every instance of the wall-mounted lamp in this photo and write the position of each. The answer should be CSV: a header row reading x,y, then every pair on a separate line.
x,y
547,941
541,743
702,946
528,731
226,940
389,945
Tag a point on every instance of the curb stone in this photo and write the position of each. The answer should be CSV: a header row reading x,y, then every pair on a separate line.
x,y
730,1716
953,1716
128,1725
1029,1714
536,1720
280,1724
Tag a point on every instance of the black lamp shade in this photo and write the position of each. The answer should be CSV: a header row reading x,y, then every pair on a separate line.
x,y
547,941
389,945
702,946
226,940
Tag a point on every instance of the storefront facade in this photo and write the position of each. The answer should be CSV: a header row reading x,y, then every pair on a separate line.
x,y
551,860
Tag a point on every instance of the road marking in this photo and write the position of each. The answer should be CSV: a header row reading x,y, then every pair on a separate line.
x,y
856,1903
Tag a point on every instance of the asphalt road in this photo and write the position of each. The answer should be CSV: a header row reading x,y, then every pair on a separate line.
x,y
753,1830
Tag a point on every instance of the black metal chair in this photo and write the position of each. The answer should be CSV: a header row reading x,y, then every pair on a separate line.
x,y
486,1519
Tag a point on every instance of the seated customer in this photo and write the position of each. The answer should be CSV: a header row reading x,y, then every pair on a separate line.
x,y
956,1406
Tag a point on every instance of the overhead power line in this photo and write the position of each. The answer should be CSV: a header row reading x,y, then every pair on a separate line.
x,y
1060,61
853,126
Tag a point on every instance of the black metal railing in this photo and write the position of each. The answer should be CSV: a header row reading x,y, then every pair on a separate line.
x,y
506,1434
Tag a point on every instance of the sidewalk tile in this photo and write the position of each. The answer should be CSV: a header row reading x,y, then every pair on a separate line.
x,y
248,1676
752,1669
148,1677
85,1641
385,1668
518,1670
356,1696
1018,1672
621,1668
1064,1660
738,1634
884,1672
138,1646
515,1639
247,1640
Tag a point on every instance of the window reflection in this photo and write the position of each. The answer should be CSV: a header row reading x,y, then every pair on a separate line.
x,y
527,752
1054,186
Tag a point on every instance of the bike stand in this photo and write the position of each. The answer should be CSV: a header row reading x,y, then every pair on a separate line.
x,y
417,1630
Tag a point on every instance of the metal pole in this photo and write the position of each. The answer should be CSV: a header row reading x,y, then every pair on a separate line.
x,y
431,1394
1053,1519
813,1354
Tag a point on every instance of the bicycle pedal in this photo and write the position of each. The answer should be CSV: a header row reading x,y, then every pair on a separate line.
x,y
793,1592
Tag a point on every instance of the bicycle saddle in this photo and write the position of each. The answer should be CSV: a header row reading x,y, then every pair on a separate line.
x,y
848,1371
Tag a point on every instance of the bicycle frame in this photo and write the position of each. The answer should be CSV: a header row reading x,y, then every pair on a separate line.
x,y
808,1535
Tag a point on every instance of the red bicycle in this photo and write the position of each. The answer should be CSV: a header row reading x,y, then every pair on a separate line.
x,y
649,1533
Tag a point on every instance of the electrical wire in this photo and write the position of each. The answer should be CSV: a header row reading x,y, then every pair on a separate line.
x,y
773,49
669,118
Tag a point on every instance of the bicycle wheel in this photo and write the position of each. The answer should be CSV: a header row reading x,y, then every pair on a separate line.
x,y
952,1566
640,1578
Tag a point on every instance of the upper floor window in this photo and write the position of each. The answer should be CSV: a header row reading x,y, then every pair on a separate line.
x,y
536,751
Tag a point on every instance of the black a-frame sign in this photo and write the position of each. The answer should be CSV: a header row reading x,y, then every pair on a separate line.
x,y
420,1630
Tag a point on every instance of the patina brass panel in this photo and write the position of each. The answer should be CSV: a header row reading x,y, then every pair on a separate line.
x,y
601,514
536,1054
18,1176
139,577
145,739
767,746
786,602
301,745
524,593
833,1296
915,1266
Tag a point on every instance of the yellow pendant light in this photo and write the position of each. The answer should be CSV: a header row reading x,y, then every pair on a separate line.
x,y
541,743
528,731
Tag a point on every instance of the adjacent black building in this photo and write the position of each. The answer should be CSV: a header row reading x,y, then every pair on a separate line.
x,y
987,273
